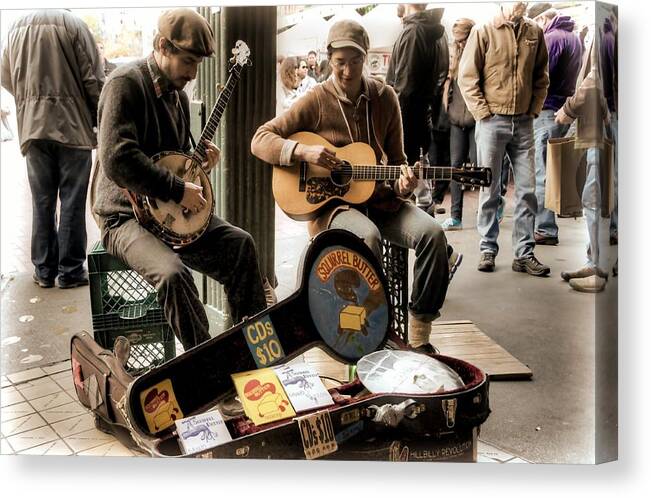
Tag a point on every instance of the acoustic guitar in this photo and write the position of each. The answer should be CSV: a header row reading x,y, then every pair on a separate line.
x,y
170,221
303,190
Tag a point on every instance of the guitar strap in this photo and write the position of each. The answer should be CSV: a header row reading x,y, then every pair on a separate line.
x,y
187,123
369,118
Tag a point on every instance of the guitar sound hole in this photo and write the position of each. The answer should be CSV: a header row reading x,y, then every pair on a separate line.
x,y
343,175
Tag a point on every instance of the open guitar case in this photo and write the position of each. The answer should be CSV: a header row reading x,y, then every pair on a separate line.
x,y
337,271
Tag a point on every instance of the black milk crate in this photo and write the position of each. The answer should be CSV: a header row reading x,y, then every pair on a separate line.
x,y
123,303
394,262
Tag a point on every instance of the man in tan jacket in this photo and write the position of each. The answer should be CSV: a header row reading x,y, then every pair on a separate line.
x,y
349,107
503,78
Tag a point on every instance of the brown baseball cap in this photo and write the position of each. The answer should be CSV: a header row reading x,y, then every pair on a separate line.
x,y
347,33
187,30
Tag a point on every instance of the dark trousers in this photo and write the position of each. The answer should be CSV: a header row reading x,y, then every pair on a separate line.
x,y
57,171
462,149
439,155
416,129
224,252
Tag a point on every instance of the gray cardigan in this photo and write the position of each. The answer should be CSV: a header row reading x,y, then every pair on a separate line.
x,y
134,124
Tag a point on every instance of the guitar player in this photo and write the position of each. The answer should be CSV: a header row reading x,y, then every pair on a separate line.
x,y
143,111
350,107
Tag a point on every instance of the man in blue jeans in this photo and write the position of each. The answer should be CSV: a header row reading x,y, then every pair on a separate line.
x,y
564,48
505,89
53,69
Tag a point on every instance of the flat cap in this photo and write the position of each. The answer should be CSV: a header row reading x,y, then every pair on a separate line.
x,y
347,33
187,30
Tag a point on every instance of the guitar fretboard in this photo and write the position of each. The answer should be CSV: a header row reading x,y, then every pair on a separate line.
x,y
216,114
381,172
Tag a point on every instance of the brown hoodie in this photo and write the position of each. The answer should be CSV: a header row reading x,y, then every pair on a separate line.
x,y
325,110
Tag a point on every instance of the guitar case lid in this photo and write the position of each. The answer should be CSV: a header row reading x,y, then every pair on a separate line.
x,y
341,304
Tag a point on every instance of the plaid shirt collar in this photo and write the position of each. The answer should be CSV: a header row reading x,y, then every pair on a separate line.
x,y
162,85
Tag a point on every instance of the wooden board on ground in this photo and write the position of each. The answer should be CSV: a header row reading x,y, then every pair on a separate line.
x,y
459,339
462,339
326,366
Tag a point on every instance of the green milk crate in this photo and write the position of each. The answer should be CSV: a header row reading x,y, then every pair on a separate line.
x,y
124,304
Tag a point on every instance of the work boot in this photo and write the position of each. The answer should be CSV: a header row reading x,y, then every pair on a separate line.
x,y
41,282
72,282
486,262
531,266
545,240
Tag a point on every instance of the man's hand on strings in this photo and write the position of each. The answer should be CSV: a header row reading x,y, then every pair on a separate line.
x,y
212,156
407,181
193,199
317,154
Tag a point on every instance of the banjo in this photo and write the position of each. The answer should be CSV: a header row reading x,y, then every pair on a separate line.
x,y
170,221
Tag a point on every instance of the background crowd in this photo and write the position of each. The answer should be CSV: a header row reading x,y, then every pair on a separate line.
x,y
493,94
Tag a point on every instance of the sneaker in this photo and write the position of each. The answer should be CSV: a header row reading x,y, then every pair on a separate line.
x,y
41,282
591,284
486,262
451,224
454,261
545,240
531,266
586,271
71,283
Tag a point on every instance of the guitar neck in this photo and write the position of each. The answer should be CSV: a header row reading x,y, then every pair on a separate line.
x,y
381,172
210,129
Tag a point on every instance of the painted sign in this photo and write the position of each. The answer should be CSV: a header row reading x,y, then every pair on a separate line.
x,y
263,342
347,302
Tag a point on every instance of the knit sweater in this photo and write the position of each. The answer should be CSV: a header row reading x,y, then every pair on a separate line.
x,y
374,119
138,119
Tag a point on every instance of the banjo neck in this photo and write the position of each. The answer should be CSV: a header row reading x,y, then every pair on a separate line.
x,y
208,133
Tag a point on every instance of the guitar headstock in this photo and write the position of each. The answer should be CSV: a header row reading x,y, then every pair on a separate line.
x,y
241,53
469,175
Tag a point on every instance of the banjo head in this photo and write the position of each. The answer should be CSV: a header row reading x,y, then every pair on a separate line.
x,y
174,224
347,294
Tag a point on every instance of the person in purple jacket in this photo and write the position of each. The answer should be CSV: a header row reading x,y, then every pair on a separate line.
x,y
565,51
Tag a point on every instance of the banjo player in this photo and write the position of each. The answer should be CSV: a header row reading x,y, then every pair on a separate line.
x,y
143,111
